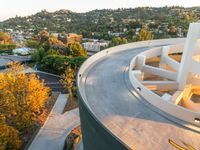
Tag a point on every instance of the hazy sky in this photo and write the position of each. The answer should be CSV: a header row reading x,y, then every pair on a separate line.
x,y
11,8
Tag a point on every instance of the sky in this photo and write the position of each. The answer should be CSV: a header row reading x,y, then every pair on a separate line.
x,y
11,8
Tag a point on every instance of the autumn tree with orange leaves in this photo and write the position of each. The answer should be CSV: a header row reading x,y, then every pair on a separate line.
x,y
22,96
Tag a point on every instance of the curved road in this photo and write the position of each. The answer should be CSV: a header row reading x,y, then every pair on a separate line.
x,y
52,81
108,94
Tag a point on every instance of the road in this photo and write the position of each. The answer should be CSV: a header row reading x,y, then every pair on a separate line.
x,y
16,58
52,81
108,94
4,62
6,59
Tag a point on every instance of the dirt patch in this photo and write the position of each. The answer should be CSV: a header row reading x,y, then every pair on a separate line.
x,y
72,103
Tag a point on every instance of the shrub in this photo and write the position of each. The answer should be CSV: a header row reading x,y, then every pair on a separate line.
x,y
9,138
57,63
7,46
10,52
38,55
22,97
32,44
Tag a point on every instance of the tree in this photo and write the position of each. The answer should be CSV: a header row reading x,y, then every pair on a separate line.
x,y
9,137
38,55
32,43
54,41
144,34
172,30
77,50
68,80
5,38
130,33
22,97
118,41
57,64
136,24
43,36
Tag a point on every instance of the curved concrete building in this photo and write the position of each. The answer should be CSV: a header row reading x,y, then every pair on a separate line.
x,y
140,96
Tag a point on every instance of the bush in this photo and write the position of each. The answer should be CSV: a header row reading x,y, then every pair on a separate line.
x,y
22,98
38,55
32,44
54,63
9,138
57,63
9,52
118,41
7,46
76,50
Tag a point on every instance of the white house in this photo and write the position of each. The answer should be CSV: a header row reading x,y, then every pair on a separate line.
x,y
23,51
95,46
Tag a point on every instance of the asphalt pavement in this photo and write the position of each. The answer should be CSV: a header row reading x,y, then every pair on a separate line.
x,y
52,81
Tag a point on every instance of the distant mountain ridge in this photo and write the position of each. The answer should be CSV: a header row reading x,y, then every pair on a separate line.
x,y
100,21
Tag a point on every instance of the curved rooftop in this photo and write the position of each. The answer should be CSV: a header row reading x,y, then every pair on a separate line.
x,y
107,93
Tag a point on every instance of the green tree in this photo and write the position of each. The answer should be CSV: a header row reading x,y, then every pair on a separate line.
x,y
32,43
130,33
77,50
57,63
38,55
118,41
144,34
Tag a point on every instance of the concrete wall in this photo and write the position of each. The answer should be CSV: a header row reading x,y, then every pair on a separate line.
x,y
95,135
86,112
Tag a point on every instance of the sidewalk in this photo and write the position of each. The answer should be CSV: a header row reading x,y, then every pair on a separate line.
x,y
52,135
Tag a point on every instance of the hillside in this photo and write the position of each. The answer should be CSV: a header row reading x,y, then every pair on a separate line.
x,y
98,23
